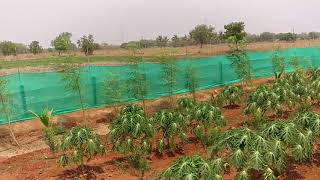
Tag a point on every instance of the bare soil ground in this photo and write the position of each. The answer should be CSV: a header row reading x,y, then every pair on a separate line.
x,y
35,161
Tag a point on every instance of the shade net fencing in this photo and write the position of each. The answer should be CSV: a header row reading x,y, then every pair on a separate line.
x,y
35,91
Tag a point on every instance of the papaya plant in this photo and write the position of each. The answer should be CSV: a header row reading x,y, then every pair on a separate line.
x,y
78,144
207,117
314,74
194,167
130,134
172,125
300,85
283,89
315,90
185,105
49,130
261,101
295,140
247,151
309,121
229,95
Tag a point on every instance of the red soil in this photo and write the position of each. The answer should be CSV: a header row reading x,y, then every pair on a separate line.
x,y
41,164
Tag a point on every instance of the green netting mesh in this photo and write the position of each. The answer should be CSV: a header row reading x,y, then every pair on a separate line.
x,y
34,91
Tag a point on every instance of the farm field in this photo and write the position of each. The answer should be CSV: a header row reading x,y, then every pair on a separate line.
x,y
119,56
42,164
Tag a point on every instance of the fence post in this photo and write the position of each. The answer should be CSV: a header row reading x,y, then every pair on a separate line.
x,y
94,89
221,72
23,98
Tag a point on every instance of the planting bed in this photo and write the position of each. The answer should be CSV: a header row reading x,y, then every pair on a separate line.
x,y
34,160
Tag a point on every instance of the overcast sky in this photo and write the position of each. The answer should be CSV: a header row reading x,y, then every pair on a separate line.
x,y
115,21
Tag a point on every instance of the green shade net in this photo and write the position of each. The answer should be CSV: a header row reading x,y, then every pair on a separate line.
x,y
35,91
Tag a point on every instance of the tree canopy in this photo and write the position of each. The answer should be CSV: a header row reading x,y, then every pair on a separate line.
x,y
87,45
202,34
35,47
62,43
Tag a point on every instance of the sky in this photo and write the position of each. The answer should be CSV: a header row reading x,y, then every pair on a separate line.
x,y
116,21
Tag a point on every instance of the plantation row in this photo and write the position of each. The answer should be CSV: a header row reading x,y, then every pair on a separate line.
x,y
259,146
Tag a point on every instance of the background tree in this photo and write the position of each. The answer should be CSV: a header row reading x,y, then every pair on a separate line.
x,y
62,43
35,48
175,41
286,36
6,106
266,36
191,80
86,43
185,41
313,35
235,35
8,48
71,77
162,41
202,34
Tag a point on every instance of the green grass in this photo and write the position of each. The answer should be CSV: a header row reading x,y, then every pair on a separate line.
x,y
52,61
58,60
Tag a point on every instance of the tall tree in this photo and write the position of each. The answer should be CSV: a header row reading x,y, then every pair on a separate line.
x,y
6,106
8,48
169,70
192,80
162,41
86,43
137,83
235,35
175,41
35,47
62,43
71,77
202,34
114,89
266,36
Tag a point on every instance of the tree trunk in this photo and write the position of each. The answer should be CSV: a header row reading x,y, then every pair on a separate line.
x,y
186,50
141,174
82,106
144,106
194,96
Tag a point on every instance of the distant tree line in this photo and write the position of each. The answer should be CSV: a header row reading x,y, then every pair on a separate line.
x,y
199,35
